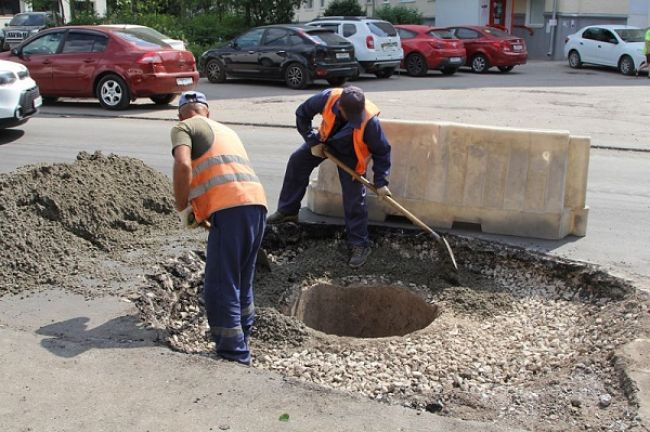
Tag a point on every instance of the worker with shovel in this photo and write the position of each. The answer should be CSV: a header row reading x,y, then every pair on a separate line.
x,y
352,132
215,186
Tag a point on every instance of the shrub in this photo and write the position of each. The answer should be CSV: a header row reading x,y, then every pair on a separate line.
x,y
344,8
399,14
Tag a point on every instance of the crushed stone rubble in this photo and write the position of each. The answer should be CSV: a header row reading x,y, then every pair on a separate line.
x,y
518,344
59,219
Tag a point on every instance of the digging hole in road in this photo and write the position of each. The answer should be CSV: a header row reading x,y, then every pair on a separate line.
x,y
529,340
363,311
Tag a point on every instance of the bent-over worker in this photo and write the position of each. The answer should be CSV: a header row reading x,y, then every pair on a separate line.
x,y
352,132
214,182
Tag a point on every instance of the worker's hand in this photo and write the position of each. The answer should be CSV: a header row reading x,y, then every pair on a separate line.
x,y
188,220
383,192
318,150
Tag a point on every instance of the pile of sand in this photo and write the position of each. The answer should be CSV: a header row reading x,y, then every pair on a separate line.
x,y
56,216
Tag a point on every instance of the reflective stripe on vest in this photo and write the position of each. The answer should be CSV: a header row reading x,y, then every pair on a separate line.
x,y
329,118
223,177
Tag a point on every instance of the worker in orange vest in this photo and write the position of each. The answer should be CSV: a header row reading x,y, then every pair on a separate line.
x,y
352,132
214,182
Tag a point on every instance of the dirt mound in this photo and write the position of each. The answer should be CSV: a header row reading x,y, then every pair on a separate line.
x,y
55,216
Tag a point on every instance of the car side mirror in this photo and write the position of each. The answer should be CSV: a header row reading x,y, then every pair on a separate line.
x,y
15,52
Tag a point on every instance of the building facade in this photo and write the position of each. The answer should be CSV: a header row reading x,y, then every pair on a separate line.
x,y
544,24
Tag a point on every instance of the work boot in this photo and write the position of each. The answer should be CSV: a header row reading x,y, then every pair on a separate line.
x,y
358,256
278,217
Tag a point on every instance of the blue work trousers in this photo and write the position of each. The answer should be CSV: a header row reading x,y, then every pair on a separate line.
x,y
233,242
296,179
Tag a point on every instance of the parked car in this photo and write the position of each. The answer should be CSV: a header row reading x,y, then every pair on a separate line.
x,y
430,48
290,53
376,43
146,32
26,24
114,65
487,47
19,96
617,46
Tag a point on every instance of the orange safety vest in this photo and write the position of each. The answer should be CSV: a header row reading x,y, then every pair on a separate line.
x,y
360,147
223,177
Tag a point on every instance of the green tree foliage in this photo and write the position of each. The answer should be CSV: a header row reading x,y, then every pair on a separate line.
x,y
399,14
344,8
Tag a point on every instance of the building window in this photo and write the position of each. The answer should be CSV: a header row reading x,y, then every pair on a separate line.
x,y
309,4
322,4
535,15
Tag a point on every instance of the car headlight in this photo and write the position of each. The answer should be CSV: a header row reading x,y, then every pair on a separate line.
x,y
7,77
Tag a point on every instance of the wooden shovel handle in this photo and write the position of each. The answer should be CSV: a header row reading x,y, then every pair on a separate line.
x,y
361,179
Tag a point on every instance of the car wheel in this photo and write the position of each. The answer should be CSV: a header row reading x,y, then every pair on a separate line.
x,y
49,100
575,61
215,71
449,70
479,63
295,75
416,65
163,99
385,73
506,69
113,93
337,81
626,65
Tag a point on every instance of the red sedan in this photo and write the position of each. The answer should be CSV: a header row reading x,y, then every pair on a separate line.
x,y
430,48
488,46
115,65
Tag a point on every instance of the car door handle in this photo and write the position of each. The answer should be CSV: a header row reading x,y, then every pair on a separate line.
x,y
581,43
251,52
89,61
600,46
47,62
281,52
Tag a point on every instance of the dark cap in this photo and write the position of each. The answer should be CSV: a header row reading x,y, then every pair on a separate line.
x,y
353,102
192,97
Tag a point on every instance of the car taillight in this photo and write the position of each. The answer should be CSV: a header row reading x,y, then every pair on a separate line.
x,y
150,58
370,42
437,45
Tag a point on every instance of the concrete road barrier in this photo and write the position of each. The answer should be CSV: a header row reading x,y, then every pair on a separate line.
x,y
519,182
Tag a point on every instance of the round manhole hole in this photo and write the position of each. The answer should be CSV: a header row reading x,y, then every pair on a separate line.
x,y
363,311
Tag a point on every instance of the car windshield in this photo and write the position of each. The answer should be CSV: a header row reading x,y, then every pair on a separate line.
x,y
441,34
631,35
382,28
327,38
496,32
142,37
30,20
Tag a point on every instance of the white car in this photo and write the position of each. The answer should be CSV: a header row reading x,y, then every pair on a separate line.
x,y
148,31
377,46
619,46
19,96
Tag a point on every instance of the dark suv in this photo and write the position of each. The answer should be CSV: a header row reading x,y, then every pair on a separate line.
x,y
25,24
291,53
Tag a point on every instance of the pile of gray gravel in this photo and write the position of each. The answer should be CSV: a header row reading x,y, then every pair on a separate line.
x,y
527,340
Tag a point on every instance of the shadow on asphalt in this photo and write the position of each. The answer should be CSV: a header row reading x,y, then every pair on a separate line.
x,y
72,337
8,136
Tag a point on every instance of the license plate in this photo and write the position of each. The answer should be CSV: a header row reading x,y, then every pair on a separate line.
x,y
455,59
38,102
341,56
184,81
389,46
517,47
